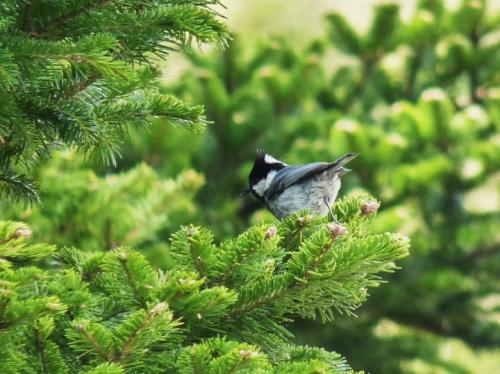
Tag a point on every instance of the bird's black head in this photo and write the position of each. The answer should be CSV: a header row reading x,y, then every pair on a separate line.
x,y
263,165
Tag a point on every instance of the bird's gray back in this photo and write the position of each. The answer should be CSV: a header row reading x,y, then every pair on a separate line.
x,y
291,175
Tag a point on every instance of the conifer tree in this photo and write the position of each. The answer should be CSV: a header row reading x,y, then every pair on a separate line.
x,y
218,308
419,99
431,156
81,73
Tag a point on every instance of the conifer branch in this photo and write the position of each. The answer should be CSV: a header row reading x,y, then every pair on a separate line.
x,y
72,80
294,284
368,66
415,64
4,301
28,16
90,338
473,71
77,88
194,363
127,346
196,259
141,336
122,258
17,187
236,367
40,349
65,18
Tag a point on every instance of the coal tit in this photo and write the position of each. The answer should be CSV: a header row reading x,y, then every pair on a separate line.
x,y
285,189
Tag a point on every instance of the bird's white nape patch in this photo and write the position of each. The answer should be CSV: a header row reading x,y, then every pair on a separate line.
x,y
261,186
268,159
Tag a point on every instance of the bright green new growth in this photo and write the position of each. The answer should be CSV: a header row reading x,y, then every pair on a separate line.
x,y
80,73
219,308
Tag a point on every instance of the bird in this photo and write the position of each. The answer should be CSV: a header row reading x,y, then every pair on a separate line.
x,y
285,189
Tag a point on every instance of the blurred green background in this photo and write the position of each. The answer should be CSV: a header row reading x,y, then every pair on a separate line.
x,y
414,86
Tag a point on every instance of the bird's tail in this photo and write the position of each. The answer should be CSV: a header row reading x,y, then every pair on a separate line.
x,y
338,165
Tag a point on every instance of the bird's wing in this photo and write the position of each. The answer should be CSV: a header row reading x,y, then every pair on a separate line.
x,y
291,175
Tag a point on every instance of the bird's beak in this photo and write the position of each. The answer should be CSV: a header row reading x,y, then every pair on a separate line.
x,y
245,192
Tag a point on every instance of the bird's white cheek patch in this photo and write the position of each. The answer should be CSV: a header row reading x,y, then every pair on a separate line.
x,y
260,188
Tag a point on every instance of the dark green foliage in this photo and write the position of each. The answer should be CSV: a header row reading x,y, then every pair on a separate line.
x,y
81,73
211,310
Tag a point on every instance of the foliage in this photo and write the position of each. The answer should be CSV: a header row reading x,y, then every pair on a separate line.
x,y
247,97
431,157
419,99
215,309
80,73
141,208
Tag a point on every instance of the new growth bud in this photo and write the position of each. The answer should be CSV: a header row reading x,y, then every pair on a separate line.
x,y
402,239
271,232
186,282
122,256
80,327
54,306
193,231
336,229
370,207
23,233
304,220
246,354
158,309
